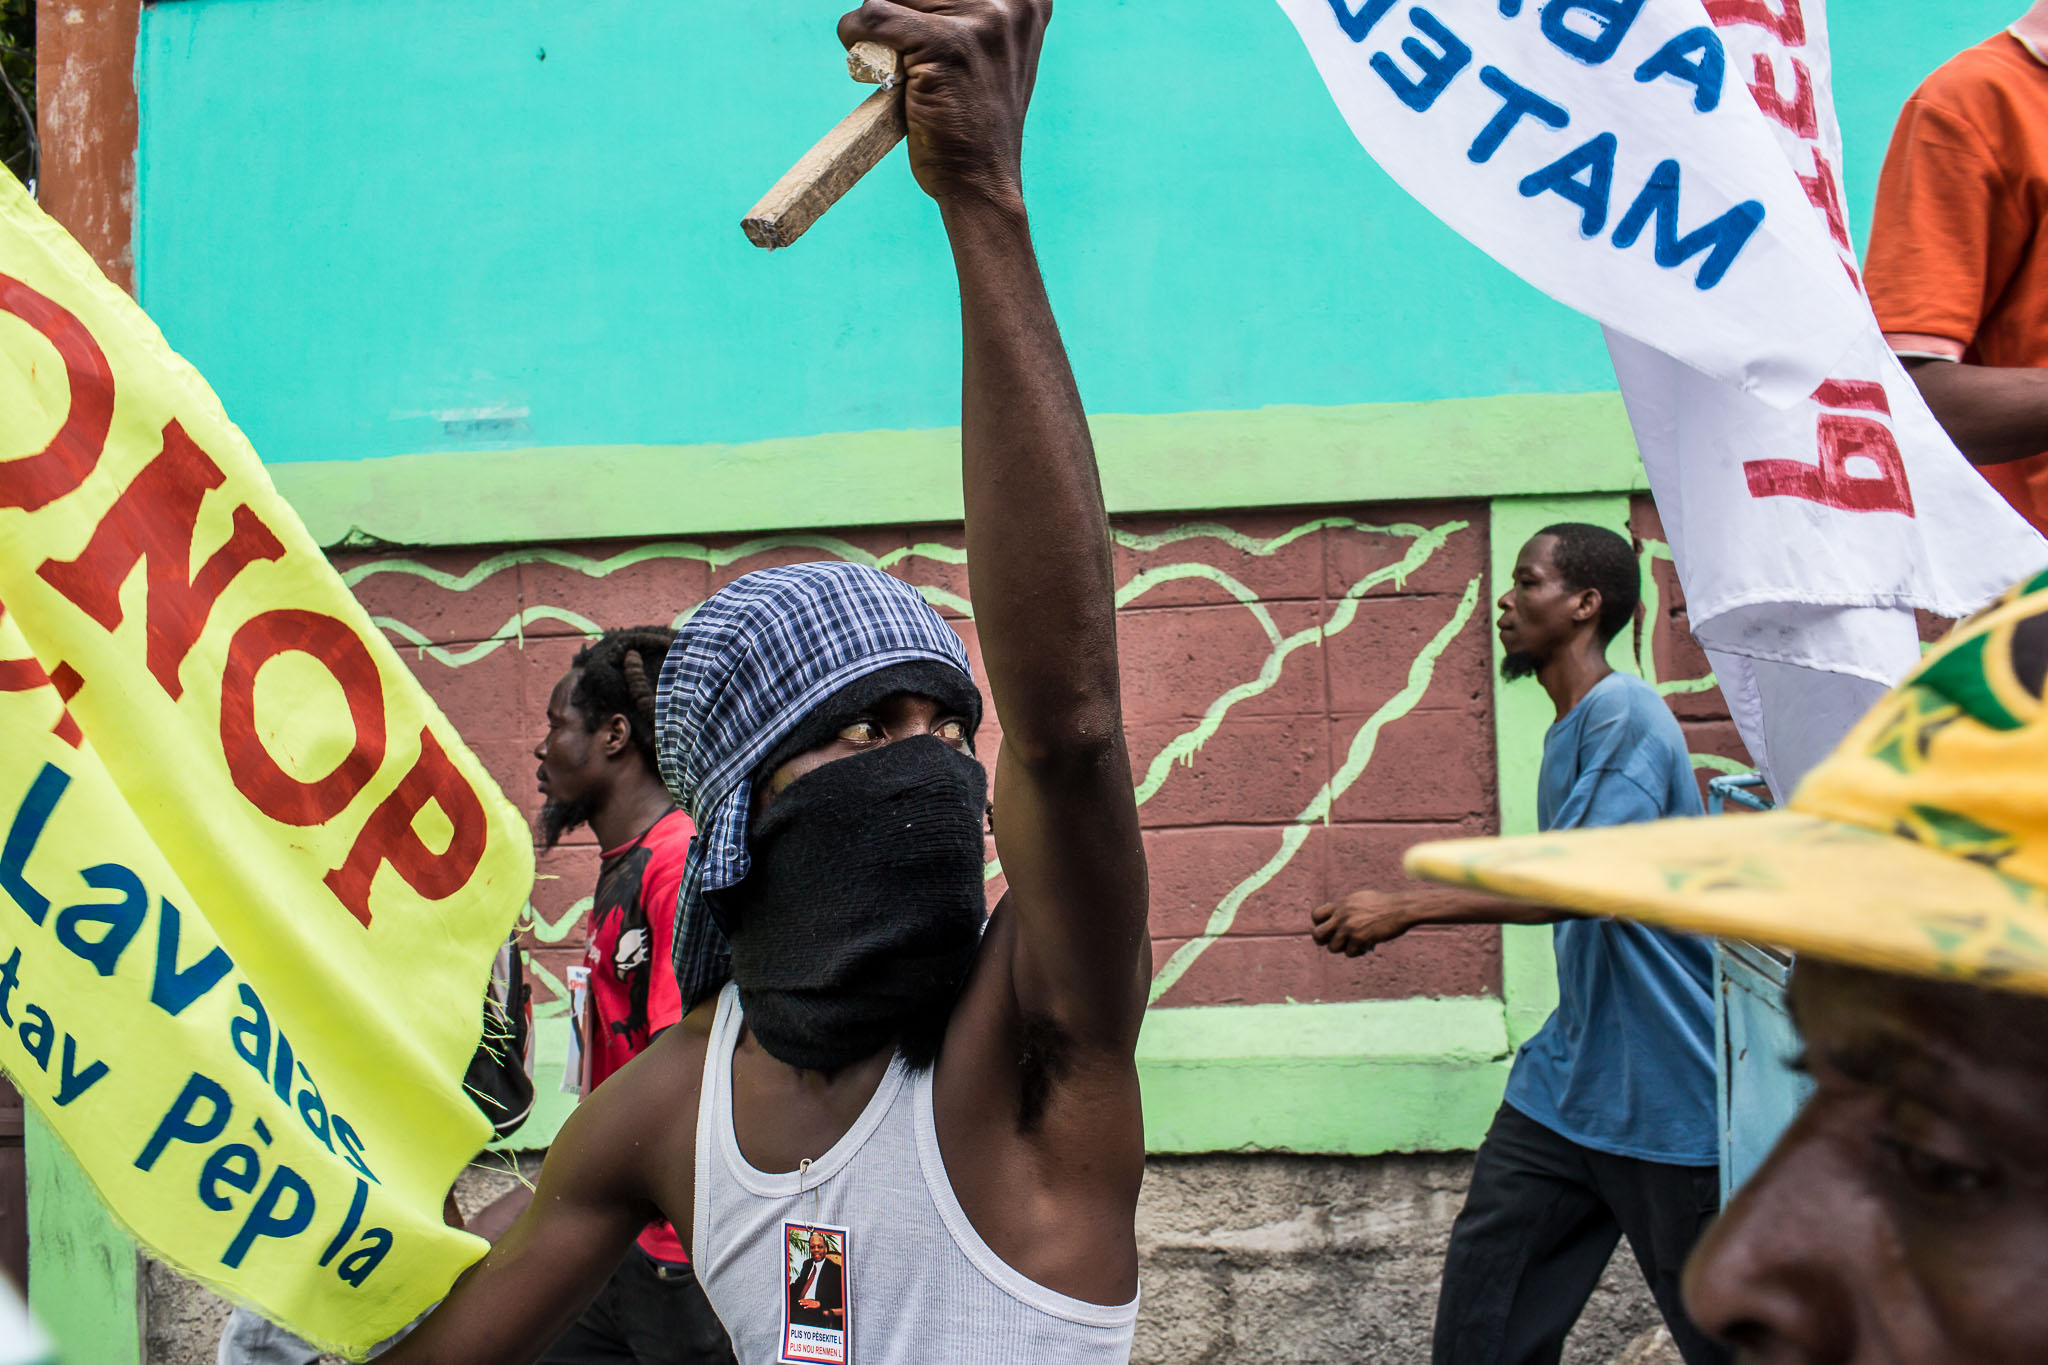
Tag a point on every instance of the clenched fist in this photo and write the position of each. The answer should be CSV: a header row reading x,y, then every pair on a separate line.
x,y
969,68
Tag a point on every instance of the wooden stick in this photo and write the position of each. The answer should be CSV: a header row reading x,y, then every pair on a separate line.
x,y
873,64
840,159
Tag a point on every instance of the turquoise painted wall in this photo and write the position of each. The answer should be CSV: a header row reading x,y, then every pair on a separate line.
x,y
383,227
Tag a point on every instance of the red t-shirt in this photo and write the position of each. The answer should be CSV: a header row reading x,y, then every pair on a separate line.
x,y
633,992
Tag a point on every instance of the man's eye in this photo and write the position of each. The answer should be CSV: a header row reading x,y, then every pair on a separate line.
x,y
862,732
953,731
1933,1176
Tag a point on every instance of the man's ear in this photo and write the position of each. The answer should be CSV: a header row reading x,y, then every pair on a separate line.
x,y
1587,607
618,736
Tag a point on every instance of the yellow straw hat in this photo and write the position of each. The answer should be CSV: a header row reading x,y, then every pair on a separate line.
x,y
1919,847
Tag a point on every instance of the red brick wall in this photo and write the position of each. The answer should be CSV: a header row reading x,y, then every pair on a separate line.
x,y
1302,705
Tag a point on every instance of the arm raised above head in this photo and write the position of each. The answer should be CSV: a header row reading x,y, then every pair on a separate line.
x,y
1038,545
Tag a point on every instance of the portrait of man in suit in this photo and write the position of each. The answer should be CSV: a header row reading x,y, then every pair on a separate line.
x,y
817,1292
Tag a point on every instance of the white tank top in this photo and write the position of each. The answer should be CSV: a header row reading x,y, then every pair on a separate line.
x,y
904,1278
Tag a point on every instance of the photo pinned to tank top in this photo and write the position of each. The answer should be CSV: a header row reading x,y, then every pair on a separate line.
x,y
817,1310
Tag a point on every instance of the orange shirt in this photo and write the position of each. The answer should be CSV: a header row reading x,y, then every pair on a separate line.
x,y
1960,206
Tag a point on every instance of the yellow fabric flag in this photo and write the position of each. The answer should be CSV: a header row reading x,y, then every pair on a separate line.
x,y
251,881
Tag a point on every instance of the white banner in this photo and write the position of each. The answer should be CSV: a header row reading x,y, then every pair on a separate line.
x,y
1807,537
1673,169
1607,152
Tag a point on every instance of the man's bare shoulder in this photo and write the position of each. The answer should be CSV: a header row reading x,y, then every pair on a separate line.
x,y
650,1105
635,1137
668,1076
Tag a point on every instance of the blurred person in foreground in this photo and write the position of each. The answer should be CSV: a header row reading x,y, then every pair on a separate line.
x,y
1903,1217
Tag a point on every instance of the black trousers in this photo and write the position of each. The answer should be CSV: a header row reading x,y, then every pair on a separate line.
x,y
648,1313
1543,1217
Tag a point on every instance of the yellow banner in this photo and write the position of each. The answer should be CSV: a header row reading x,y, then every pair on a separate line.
x,y
251,881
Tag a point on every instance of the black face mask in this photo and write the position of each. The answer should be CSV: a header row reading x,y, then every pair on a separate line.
x,y
856,925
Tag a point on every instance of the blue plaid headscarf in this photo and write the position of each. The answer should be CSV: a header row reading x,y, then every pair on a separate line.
x,y
746,670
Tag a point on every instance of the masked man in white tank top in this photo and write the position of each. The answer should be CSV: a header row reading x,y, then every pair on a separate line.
x,y
898,1135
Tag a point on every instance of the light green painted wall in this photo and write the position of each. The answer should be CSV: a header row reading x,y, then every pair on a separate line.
x,y
82,1281
1384,452
1357,1079
1384,1076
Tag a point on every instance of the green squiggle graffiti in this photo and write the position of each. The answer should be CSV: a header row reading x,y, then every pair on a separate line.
x,y
513,631
1646,648
555,930
1183,747
554,1002
940,553
1173,573
1180,751
1238,540
642,554
1420,674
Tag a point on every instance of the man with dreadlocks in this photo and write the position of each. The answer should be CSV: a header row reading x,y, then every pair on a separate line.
x,y
876,1075
598,768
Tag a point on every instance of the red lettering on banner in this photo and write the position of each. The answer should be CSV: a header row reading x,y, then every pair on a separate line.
x,y
1825,193
68,684
21,675
1799,113
1843,438
35,481
27,675
389,836
256,772
1788,22
155,519
1854,395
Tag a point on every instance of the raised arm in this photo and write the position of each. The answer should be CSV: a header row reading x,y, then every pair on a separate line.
x,y
1037,537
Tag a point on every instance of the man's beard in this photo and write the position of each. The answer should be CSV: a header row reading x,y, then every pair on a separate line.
x,y
557,818
1519,664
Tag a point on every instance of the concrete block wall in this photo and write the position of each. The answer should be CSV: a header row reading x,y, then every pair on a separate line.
x,y
1329,1260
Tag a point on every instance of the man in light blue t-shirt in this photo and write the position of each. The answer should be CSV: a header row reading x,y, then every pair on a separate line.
x,y
1609,1125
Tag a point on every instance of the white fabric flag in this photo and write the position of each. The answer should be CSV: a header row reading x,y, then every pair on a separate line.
x,y
1672,169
